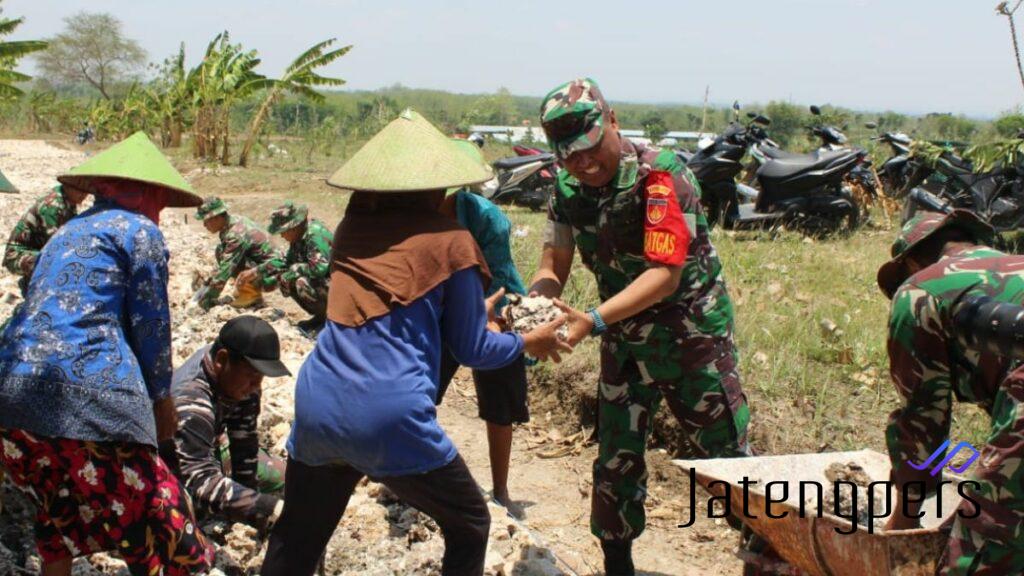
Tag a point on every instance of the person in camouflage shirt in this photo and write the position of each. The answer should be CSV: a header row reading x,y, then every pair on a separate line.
x,y
36,226
305,271
217,393
634,214
243,246
940,262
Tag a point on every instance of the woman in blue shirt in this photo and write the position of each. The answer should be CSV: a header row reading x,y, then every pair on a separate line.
x,y
85,372
405,281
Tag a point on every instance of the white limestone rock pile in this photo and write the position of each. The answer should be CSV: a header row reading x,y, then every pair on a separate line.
x,y
32,166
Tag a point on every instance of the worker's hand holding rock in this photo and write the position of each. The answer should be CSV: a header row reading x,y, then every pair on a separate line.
x,y
544,343
494,322
580,323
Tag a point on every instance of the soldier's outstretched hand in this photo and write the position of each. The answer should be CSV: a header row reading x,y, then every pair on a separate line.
x,y
544,343
580,323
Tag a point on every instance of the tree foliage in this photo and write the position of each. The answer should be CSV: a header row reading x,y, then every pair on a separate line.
x,y
301,79
1009,125
789,122
10,53
92,50
654,127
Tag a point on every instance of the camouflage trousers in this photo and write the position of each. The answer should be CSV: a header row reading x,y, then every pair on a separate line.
x,y
311,296
269,469
696,374
993,543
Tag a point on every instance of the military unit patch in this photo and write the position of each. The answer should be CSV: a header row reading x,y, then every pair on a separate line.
x,y
657,208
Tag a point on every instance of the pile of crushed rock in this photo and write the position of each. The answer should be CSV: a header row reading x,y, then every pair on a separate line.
x,y
378,536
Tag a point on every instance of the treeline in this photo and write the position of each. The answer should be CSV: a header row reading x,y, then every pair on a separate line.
x,y
355,115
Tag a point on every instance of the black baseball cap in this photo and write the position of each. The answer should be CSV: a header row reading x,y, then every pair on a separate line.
x,y
256,341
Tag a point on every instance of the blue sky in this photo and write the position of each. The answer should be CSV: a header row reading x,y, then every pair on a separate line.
x,y
905,55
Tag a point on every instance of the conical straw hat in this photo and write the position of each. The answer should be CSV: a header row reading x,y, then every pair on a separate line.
x,y
6,186
134,159
409,154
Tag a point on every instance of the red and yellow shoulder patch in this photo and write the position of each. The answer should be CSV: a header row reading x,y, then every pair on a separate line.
x,y
666,236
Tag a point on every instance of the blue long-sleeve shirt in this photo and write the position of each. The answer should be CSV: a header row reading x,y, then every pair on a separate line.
x,y
88,352
365,396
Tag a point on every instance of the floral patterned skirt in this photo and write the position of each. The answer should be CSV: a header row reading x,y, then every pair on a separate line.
x,y
93,497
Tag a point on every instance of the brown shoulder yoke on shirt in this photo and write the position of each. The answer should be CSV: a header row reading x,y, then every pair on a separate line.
x,y
391,258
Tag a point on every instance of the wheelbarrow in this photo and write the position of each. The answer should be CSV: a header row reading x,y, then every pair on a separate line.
x,y
811,544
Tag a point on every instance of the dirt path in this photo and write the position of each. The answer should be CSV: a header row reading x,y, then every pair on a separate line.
x,y
555,493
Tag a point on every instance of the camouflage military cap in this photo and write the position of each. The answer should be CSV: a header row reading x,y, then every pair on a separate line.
x,y
573,116
920,228
212,206
287,216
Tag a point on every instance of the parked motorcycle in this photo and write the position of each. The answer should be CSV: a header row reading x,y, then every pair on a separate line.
x,y
716,167
524,180
863,179
803,190
85,135
895,171
995,194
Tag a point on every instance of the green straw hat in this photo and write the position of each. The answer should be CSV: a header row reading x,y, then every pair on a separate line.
x,y
133,160
5,185
408,155
472,151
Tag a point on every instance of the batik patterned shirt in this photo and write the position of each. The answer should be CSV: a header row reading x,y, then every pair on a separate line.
x,y
89,351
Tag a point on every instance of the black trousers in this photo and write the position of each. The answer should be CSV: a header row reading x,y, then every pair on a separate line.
x,y
315,498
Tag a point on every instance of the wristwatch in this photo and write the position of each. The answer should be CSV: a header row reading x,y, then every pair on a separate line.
x,y
599,325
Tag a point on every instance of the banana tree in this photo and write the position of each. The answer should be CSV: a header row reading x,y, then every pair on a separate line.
x,y
10,53
299,78
171,96
226,74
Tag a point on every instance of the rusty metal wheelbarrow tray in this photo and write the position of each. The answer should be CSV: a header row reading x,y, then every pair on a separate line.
x,y
812,544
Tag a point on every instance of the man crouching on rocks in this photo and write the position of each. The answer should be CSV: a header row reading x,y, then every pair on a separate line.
x,y
217,392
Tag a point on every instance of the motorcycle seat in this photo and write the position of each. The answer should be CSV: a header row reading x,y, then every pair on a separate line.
x,y
517,161
779,154
786,167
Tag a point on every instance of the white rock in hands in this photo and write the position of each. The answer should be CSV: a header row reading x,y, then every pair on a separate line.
x,y
526,313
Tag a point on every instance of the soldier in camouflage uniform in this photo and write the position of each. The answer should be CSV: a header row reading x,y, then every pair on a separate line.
x,y
217,393
36,226
634,213
939,263
305,272
244,246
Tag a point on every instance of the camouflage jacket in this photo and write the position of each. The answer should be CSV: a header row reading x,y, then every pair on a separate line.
x,y
612,228
929,366
309,257
243,245
202,419
34,229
